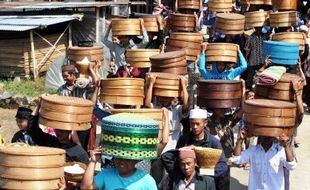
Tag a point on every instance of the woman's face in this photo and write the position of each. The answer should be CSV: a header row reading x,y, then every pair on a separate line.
x,y
125,167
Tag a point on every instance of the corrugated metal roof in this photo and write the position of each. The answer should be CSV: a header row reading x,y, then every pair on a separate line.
x,y
24,23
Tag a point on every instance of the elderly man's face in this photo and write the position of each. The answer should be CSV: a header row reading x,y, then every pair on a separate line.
x,y
198,126
187,166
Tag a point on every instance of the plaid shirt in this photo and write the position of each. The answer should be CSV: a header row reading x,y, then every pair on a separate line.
x,y
85,93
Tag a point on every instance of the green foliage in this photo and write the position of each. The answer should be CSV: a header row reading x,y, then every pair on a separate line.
x,y
26,87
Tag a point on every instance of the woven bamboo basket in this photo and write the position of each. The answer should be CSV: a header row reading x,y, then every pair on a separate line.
x,y
167,85
150,23
283,5
234,21
282,90
283,19
74,177
191,48
207,157
256,19
291,37
33,163
66,113
140,58
183,22
126,27
189,4
269,117
220,5
219,93
222,52
122,91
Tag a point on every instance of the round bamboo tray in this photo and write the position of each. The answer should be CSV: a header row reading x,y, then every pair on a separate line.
x,y
29,185
219,93
256,19
150,23
183,22
189,4
282,90
283,19
75,177
126,27
220,5
65,113
269,114
187,36
291,37
191,48
207,157
140,57
167,85
283,5
191,54
170,62
234,21
122,91
222,52
32,164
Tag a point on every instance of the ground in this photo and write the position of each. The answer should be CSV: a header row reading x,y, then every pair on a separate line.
x,y
239,177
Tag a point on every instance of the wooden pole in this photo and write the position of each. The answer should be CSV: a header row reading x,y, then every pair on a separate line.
x,y
70,35
33,56
97,24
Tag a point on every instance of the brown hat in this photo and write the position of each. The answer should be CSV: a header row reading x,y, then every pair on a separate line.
x,y
65,68
187,153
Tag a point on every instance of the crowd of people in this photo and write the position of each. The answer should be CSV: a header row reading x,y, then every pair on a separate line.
x,y
269,159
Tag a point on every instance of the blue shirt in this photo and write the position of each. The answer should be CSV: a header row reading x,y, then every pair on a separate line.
x,y
225,75
109,179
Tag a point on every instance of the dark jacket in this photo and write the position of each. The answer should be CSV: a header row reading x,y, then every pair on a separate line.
x,y
171,163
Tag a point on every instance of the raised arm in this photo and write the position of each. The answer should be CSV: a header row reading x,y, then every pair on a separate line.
x,y
88,177
185,94
202,62
106,40
150,81
239,70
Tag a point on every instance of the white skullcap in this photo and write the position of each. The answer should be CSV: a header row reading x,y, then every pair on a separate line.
x,y
198,113
303,28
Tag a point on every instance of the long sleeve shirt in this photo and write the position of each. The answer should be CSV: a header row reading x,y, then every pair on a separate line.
x,y
225,75
267,168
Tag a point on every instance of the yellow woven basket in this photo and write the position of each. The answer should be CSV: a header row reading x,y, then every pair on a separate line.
x,y
207,157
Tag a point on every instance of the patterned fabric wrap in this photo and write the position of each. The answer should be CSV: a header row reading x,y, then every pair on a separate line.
x,y
129,136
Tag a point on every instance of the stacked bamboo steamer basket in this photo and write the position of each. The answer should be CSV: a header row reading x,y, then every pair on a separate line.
x,y
65,113
283,19
283,5
171,62
189,4
140,58
126,27
32,167
189,42
291,37
219,93
167,85
122,91
254,2
150,23
220,5
269,117
282,90
183,22
76,54
229,23
222,52
256,19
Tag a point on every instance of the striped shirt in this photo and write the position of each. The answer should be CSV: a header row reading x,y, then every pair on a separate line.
x,y
76,91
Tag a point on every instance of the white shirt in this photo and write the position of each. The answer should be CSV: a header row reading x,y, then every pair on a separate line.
x,y
266,168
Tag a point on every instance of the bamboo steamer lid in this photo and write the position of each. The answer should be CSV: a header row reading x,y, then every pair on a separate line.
x,y
29,185
65,113
222,52
269,114
32,164
183,22
207,157
256,19
291,37
122,91
126,27
187,36
150,23
219,93
282,90
167,85
283,5
234,21
220,5
283,19
189,4
140,57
